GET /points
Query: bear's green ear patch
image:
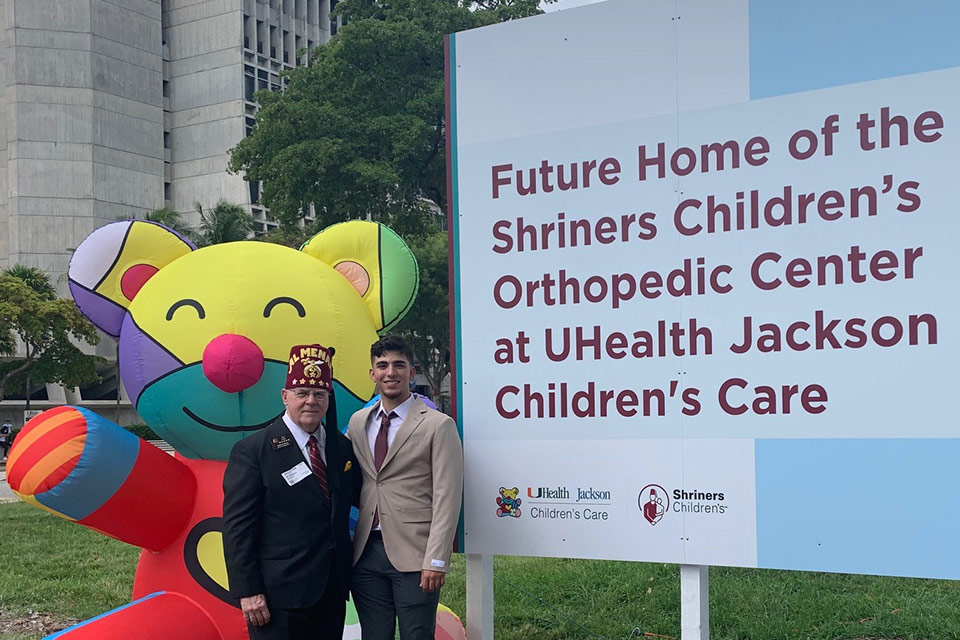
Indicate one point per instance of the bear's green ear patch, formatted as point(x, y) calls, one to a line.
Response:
point(376, 261)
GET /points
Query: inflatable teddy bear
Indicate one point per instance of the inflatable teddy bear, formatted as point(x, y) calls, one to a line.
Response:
point(508, 504)
point(203, 338)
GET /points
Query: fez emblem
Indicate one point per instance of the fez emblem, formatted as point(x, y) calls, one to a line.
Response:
point(312, 370)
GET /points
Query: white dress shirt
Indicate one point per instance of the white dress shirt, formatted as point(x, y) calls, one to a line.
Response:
point(373, 427)
point(373, 424)
point(302, 437)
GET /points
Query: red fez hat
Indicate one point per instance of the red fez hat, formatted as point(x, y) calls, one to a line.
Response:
point(310, 366)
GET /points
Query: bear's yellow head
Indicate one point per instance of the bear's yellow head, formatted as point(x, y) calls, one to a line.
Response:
point(509, 494)
point(204, 335)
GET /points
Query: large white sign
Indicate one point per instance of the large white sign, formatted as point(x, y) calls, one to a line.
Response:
point(707, 299)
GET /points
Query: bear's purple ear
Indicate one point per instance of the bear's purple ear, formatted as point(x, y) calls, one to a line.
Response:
point(112, 264)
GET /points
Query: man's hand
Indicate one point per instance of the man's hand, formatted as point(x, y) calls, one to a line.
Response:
point(431, 581)
point(255, 610)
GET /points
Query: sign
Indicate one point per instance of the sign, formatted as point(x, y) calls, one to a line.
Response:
point(706, 284)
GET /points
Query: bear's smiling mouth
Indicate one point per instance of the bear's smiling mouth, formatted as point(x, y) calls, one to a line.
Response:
point(217, 427)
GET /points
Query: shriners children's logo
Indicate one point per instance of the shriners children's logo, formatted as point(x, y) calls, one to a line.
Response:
point(653, 502)
point(508, 504)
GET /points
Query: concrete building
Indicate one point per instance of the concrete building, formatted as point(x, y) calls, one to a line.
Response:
point(217, 54)
point(114, 108)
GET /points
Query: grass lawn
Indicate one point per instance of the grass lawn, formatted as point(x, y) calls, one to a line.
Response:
point(51, 566)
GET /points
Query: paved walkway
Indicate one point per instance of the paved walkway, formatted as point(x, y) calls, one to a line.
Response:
point(6, 495)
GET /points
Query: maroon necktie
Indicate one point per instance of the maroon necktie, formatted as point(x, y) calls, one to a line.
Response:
point(380, 446)
point(380, 450)
point(319, 468)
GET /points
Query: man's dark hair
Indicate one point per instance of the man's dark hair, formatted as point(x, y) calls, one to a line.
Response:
point(391, 343)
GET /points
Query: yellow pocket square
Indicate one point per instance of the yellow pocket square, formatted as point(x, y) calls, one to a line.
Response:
point(348, 466)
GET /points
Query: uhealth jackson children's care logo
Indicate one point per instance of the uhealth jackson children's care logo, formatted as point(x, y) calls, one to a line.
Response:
point(508, 504)
point(653, 502)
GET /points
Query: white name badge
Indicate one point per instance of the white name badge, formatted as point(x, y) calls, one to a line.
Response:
point(296, 474)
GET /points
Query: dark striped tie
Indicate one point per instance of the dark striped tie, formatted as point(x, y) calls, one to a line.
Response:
point(319, 468)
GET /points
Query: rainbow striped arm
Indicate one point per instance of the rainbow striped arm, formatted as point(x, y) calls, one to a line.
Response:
point(84, 468)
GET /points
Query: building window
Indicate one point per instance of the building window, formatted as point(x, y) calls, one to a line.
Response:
point(254, 192)
point(166, 88)
point(166, 191)
point(166, 139)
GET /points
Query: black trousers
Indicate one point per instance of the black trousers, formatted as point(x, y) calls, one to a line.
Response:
point(321, 621)
point(383, 596)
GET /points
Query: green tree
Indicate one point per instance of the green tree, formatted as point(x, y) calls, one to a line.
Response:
point(33, 278)
point(426, 326)
point(225, 222)
point(46, 326)
point(171, 219)
point(289, 236)
point(360, 131)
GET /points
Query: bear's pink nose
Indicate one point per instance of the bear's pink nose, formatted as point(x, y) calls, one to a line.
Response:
point(232, 363)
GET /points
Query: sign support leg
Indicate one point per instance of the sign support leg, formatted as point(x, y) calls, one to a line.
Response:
point(694, 602)
point(479, 596)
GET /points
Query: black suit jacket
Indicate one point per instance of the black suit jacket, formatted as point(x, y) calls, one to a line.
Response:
point(278, 539)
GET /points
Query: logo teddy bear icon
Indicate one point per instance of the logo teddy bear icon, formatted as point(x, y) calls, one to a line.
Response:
point(203, 338)
point(508, 504)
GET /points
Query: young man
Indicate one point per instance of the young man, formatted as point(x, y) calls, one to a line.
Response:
point(287, 494)
point(412, 466)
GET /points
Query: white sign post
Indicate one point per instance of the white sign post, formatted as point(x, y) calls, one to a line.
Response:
point(479, 596)
point(694, 602)
point(705, 287)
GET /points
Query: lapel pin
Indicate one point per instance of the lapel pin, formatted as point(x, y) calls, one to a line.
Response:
point(280, 443)
point(347, 466)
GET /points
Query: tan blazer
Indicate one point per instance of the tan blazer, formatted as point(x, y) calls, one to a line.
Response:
point(418, 489)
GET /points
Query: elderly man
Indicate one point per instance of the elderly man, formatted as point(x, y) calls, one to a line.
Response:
point(412, 465)
point(287, 491)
